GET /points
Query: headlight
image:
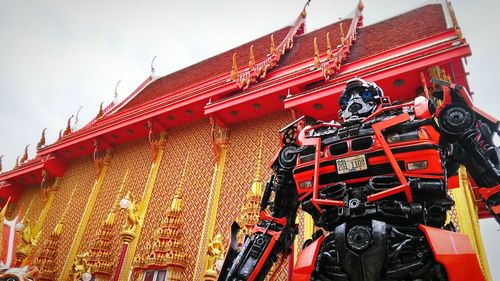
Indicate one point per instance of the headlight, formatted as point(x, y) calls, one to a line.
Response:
point(401, 137)
point(419, 165)
point(305, 184)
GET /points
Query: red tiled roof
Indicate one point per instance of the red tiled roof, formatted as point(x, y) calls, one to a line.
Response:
point(403, 29)
point(206, 69)
point(373, 39)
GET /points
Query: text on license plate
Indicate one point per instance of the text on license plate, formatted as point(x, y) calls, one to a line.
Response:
point(351, 164)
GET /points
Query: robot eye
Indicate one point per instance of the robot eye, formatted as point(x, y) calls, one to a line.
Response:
point(366, 95)
point(344, 100)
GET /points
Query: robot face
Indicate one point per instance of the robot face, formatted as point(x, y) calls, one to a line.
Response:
point(360, 99)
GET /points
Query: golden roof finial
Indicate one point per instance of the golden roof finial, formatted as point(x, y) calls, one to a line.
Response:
point(361, 6)
point(251, 60)
point(1, 156)
point(60, 224)
point(176, 203)
point(272, 49)
point(454, 21)
point(17, 162)
point(316, 53)
point(257, 179)
point(67, 131)
point(41, 142)
point(304, 12)
point(234, 68)
point(342, 39)
point(101, 111)
point(329, 52)
point(25, 155)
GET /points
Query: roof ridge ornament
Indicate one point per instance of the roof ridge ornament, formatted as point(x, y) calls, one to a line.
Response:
point(153, 70)
point(41, 142)
point(25, 155)
point(333, 61)
point(257, 70)
point(454, 21)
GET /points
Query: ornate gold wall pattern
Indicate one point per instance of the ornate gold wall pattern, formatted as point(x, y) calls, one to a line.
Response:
point(135, 158)
point(196, 139)
point(240, 166)
point(80, 177)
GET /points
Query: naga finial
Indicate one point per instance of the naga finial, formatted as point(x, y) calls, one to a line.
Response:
point(329, 52)
point(25, 155)
point(272, 49)
point(1, 156)
point(60, 135)
point(251, 60)
point(41, 142)
point(17, 162)
point(152, 66)
point(317, 62)
point(234, 69)
point(342, 39)
point(361, 6)
point(116, 88)
point(67, 131)
point(101, 111)
point(304, 12)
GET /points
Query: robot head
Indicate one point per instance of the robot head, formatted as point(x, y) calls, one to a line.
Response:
point(360, 98)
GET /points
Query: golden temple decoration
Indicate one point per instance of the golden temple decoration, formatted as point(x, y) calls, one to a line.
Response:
point(142, 207)
point(25, 155)
point(100, 258)
point(329, 51)
point(26, 237)
point(272, 49)
point(100, 113)
point(47, 253)
point(234, 69)
point(101, 156)
point(342, 38)
point(166, 248)
point(249, 214)
point(215, 253)
point(454, 21)
point(155, 141)
point(82, 226)
point(41, 142)
point(68, 131)
point(438, 72)
point(220, 142)
point(317, 61)
point(251, 60)
point(2, 217)
point(80, 266)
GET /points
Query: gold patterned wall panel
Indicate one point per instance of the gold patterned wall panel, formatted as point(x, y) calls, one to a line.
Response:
point(135, 157)
point(241, 158)
point(80, 177)
point(31, 194)
point(193, 138)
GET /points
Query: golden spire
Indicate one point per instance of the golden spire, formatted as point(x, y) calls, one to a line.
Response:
point(25, 156)
point(272, 49)
point(110, 219)
point(342, 39)
point(41, 142)
point(58, 229)
point(317, 62)
point(234, 68)
point(257, 179)
point(251, 60)
point(176, 203)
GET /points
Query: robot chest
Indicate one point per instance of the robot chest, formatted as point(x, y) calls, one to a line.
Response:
point(359, 160)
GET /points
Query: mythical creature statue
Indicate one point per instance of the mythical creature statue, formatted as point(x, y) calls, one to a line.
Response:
point(376, 185)
point(215, 252)
point(132, 214)
point(80, 266)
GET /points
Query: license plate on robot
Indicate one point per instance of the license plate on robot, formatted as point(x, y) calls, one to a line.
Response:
point(351, 164)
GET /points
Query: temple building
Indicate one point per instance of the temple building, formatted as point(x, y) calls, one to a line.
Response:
point(149, 188)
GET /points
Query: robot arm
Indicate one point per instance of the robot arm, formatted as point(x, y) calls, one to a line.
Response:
point(275, 232)
point(469, 132)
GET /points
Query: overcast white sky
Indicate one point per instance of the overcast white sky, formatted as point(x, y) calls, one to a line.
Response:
point(56, 56)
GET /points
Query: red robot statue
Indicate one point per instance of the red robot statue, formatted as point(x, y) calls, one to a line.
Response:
point(376, 187)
